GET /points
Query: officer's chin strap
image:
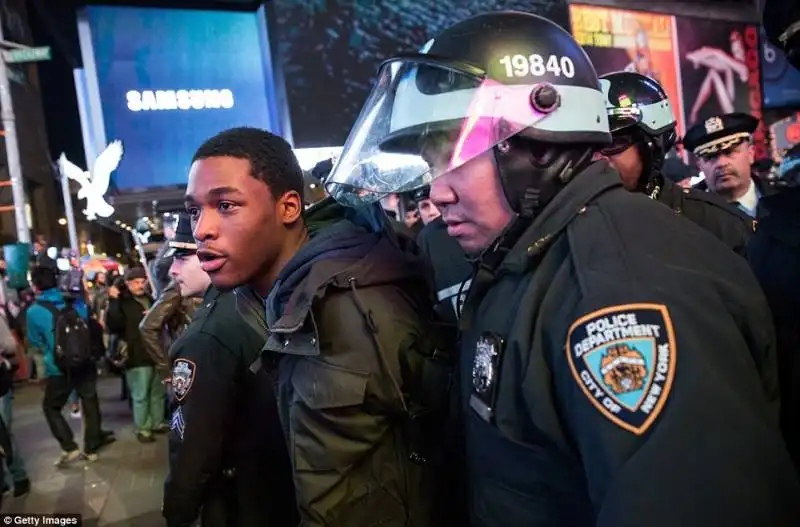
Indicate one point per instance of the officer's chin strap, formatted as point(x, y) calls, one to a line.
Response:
point(528, 188)
point(652, 151)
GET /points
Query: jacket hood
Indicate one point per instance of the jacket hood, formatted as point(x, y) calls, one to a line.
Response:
point(53, 296)
point(347, 247)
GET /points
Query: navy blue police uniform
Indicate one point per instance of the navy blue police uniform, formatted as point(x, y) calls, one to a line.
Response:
point(614, 383)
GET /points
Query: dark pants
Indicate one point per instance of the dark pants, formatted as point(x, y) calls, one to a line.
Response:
point(56, 394)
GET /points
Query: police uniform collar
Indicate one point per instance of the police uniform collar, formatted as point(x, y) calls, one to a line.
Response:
point(719, 133)
point(572, 200)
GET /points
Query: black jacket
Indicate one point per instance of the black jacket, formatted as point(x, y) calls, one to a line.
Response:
point(616, 378)
point(774, 255)
point(227, 452)
point(350, 346)
point(123, 317)
point(730, 225)
point(452, 272)
point(164, 323)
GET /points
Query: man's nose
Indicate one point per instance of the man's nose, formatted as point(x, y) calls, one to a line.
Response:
point(205, 225)
point(442, 193)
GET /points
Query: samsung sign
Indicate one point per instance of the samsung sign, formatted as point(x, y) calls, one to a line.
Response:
point(169, 79)
point(149, 100)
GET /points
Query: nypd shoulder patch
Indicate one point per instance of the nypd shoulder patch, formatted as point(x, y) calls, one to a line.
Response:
point(183, 373)
point(623, 358)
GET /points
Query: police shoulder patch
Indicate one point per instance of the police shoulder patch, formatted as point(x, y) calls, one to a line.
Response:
point(183, 373)
point(623, 358)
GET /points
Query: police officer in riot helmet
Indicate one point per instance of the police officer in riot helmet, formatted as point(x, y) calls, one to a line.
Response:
point(608, 376)
point(642, 125)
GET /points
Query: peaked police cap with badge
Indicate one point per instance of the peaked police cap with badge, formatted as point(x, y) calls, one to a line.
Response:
point(183, 243)
point(719, 133)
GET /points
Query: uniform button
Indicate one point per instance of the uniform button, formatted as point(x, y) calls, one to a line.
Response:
point(285, 343)
point(583, 209)
point(313, 341)
point(678, 211)
point(686, 191)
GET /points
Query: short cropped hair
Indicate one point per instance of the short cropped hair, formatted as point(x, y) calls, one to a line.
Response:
point(43, 278)
point(271, 157)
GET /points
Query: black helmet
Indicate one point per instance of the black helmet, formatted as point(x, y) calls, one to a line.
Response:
point(781, 21)
point(639, 113)
point(471, 90)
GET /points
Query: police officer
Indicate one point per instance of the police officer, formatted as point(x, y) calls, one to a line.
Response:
point(228, 458)
point(774, 251)
point(615, 359)
point(452, 270)
point(643, 131)
point(724, 153)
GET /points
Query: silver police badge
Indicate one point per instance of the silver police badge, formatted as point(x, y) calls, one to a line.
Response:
point(183, 372)
point(483, 365)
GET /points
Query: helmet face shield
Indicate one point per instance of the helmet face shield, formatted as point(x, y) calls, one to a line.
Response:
point(424, 119)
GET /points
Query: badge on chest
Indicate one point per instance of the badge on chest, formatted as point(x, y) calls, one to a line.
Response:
point(486, 363)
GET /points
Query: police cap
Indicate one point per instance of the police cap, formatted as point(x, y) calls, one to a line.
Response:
point(422, 193)
point(719, 133)
point(183, 243)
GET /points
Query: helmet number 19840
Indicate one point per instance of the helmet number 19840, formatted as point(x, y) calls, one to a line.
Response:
point(536, 65)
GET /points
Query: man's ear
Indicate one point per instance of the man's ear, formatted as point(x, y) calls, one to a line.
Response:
point(751, 153)
point(290, 207)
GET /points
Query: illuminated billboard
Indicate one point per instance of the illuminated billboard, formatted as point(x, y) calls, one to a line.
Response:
point(165, 80)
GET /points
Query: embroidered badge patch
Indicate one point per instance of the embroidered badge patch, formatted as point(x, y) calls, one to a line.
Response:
point(714, 124)
point(623, 358)
point(183, 372)
point(177, 424)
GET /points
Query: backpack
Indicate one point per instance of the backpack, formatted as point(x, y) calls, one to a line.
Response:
point(72, 338)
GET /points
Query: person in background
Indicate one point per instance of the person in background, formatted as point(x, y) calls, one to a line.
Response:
point(159, 270)
point(40, 256)
point(427, 210)
point(643, 130)
point(99, 298)
point(228, 459)
point(724, 152)
point(41, 318)
point(678, 172)
point(125, 312)
point(452, 270)
point(16, 475)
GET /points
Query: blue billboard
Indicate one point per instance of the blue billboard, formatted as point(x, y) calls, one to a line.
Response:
point(167, 80)
point(781, 80)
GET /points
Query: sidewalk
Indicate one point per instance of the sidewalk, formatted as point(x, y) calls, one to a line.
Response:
point(123, 488)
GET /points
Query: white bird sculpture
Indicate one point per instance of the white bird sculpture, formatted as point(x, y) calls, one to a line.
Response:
point(95, 185)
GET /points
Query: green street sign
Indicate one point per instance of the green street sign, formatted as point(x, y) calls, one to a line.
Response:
point(27, 55)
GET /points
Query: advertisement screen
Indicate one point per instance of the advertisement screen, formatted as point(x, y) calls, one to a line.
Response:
point(720, 71)
point(620, 40)
point(781, 80)
point(785, 134)
point(169, 80)
point(329, 52)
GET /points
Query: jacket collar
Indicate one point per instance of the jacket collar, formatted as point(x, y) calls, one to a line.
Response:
point(587, 185)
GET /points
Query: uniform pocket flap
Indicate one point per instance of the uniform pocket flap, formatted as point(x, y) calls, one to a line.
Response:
point(322, 385)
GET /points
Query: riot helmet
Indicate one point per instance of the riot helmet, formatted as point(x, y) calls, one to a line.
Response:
point(640, 115)
point(497, 83)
